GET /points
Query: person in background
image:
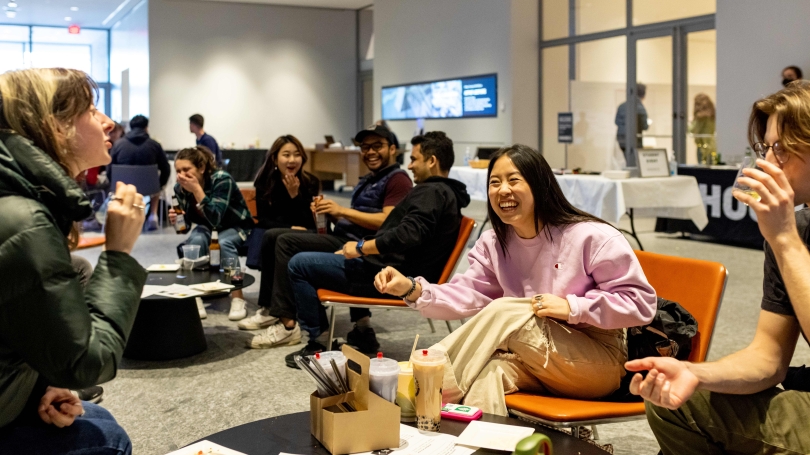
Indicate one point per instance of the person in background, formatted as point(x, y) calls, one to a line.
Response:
point(195, 125)
point(136, 148)
point(702, 128)
point(735, 404)
point(418, 235)
point(790, 74)
point(641, 125)
point(373, 199)
point(56, 335)
point(212, 200)
point(550, 290)
point(284, 193)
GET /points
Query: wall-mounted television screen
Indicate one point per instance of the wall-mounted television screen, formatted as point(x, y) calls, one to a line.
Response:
point(474, 96)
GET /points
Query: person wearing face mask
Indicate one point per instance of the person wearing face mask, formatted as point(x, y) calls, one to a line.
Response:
point(420, 234)
point(212, 200)
point(373, 199)
point(790, 74)
point(550, 290)
point(752, 401)
point(55, 333)
point(284, 192)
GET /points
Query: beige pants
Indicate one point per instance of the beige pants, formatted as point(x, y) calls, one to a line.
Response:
point(542, 356)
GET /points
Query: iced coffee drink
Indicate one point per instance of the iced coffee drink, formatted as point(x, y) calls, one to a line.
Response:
point(428, 374)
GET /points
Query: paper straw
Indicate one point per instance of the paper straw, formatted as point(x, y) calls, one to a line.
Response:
point(416, 340)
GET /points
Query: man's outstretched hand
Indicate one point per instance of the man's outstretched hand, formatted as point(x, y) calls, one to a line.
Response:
point(669, 382)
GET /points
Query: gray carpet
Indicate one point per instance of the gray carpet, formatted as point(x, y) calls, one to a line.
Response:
point(166, 405)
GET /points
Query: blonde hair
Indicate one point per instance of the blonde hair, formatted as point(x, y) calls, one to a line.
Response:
point(792, 108)
point(41, 105)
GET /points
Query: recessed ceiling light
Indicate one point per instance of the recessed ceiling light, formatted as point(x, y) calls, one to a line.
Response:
point(68, 18)
point(12, 5)
point(11, 14)
point(74, 8)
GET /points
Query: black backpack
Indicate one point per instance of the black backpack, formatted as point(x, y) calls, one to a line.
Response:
point(668, 335)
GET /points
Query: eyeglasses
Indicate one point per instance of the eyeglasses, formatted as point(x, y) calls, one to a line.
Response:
point(779, 152)
point(377, 146)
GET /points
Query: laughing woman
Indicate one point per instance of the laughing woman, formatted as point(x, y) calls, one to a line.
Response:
point(551, 289)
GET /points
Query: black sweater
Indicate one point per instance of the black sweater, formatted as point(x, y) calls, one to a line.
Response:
point(418, 236)
point(280, 210)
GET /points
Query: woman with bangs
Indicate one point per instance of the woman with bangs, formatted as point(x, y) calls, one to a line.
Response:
point(55, 334)
point(550, 290)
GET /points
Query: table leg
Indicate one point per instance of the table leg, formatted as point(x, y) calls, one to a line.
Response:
point(632, 231)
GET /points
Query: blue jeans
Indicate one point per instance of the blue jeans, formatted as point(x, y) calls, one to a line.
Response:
point(229, 241)
point(94, 433)
point(312, 271)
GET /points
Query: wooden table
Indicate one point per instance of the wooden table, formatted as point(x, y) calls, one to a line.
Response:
point(327, 164)
point(291, 434)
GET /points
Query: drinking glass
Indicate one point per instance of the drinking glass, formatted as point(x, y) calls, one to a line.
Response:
point(229, 267)
point(191, 252)
point(749, 162)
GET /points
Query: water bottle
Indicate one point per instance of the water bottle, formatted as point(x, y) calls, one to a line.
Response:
point(673, 165)
point(467, 156)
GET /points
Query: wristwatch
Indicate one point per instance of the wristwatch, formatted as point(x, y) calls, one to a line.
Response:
point(360, 247)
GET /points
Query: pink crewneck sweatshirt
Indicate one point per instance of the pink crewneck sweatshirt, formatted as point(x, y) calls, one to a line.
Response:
point(590, 264)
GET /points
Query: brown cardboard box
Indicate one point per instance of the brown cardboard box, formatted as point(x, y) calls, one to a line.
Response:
point(374, 426)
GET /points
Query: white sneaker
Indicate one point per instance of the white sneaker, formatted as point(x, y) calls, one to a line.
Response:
point(238, 310)
point(201, 308)
point(276, 335)
point(258, 321)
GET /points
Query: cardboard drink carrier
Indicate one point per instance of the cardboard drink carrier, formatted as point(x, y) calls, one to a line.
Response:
point(375, 424)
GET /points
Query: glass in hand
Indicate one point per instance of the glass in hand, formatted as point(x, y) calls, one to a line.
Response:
point(749, 162)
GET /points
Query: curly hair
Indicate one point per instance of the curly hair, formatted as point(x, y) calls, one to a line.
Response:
point(201, 157)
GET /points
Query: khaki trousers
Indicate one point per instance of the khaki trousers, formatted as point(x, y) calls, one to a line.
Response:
point(773, 421)
point(541, 355)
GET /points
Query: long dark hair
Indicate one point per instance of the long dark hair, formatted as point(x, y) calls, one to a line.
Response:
point(551, 208)
point(269, 175)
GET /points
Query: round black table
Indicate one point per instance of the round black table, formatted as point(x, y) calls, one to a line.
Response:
point(291, 434)
point(167, 328)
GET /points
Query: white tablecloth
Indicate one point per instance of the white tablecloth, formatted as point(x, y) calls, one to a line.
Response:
point(670, 197)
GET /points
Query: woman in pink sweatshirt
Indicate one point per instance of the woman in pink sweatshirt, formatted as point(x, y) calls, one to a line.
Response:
point(575, 273)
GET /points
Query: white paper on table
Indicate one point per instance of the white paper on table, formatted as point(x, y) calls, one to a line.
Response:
point(163, 268)
point(207, 448)
point(151, 289)
point(493, 435)
point(178, 291)
point(415, 442)
point(213, 286)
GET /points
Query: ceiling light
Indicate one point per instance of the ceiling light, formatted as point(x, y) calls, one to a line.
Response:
point(74, 8)
point(11, 14)
point(68, 18)
point(12, 5)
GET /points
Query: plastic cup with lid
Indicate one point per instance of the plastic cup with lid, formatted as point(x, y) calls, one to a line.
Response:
point(323, 358)
point(383, 376)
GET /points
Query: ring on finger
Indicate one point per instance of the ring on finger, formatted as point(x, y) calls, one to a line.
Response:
point(138, 206)
point(116, 198)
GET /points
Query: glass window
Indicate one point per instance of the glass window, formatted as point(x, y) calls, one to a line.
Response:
point(654, 70)
point(12, 56)
point(555, 19)
point(555, 100)
point(596, 94)
point(651, 11)
point(87, 51)
point(594, 16)
point(701, 83)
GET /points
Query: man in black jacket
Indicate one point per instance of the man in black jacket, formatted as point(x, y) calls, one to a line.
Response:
point(138, 149)
point(418, 236)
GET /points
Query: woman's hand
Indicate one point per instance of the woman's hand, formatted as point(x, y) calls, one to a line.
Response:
point(124, 219)
point(390, 281)
point(551, 306)
point(292, 184)
point(59, 407)
point(172, 216)
point(192, 185)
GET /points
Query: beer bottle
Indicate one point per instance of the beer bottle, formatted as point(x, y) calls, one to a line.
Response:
point(213, 250)
point(180, 225)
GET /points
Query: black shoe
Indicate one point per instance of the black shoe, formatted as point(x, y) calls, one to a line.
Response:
point(310, 349)
point(363, 339)
point(92, 394)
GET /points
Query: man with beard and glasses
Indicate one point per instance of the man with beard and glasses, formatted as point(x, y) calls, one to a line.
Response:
point(373, 199)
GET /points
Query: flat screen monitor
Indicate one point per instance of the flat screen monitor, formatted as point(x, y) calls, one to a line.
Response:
point(474, 96)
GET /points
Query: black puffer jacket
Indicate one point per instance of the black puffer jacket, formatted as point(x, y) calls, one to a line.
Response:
point(51, 331)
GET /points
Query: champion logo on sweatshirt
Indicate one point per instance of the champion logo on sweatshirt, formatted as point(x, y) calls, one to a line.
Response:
point(558, 265)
